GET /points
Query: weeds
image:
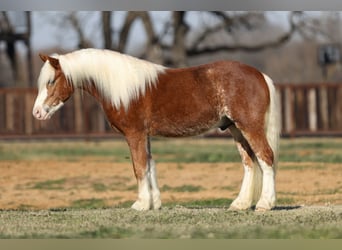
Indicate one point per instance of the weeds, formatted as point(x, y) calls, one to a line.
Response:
point(184, 188)
point(50, 184)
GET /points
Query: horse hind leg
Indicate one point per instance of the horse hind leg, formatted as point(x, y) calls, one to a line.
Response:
point(268, 194)
point(252, 180)
point(264, 155)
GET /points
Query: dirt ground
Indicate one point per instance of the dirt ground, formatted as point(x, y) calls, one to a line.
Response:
point(55, 184)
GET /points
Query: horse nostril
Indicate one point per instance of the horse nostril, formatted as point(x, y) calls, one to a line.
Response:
point(36, 113)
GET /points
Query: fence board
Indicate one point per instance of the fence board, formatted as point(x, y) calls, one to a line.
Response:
point(323, 107)
point(312, 108)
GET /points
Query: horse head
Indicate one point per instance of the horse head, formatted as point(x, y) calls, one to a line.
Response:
point(54, 89)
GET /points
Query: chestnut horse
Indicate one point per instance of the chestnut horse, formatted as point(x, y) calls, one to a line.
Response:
point(142, 99)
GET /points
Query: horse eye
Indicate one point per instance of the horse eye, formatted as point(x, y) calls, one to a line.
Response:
point(51, 82)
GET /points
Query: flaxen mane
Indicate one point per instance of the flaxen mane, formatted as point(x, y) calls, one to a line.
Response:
point(120, 78)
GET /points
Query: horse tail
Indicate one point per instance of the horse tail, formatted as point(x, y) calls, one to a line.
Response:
point(273, 121)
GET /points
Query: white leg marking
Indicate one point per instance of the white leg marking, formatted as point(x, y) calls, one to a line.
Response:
point(247, 191)
point(252, 180)
point(268, 193)
point(156, 202)
point(149, 194)
point(144, 196)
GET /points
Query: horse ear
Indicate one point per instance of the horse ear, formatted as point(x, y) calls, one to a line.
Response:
point(43, 57)
point(54, 62)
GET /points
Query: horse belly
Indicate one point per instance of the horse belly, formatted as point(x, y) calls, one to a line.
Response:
point(183, 123)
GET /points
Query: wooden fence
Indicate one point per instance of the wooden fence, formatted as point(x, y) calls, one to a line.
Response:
point(311, 109)
point(306, 109)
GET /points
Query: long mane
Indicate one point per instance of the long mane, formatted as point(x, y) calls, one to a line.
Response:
point(119, 78)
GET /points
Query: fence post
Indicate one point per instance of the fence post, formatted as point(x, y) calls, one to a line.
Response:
point(10, 112)
point(338, 109)
point(323, 107)
point(312, 109)
point(289, 110)
point(29, 101)
point(280, 107)
point(101, 122)
point(79, 126)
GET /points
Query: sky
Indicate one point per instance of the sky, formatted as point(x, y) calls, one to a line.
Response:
point(48, 32)
point(45, 34)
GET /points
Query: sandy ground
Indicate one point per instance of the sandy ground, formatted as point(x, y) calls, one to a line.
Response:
point(55, 184)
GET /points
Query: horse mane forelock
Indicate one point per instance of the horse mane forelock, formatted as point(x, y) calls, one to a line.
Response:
point(119, 78)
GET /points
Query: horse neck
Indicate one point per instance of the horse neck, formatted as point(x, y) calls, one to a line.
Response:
point(91, 89)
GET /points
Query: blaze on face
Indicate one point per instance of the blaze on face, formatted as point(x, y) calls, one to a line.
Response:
point(54, 89)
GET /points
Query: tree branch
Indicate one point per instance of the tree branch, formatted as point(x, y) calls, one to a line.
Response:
point(193, 51)
point(123, 34)
point(83, 42)
point(5, 24)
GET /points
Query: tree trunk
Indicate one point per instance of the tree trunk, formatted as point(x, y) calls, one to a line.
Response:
point(179, 46)
point(153, 48)
point(106, 29)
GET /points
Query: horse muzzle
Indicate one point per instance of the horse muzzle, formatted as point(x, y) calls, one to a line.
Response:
point(45, 112)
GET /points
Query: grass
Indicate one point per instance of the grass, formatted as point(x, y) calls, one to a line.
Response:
point(175, 222)
point(212, 203)
point(68, 150)
point(311, 150)
point(181, 189)
point(99, 187)
point(89, 203)
point(170, 150)
point(50, 184)
point(92, 218)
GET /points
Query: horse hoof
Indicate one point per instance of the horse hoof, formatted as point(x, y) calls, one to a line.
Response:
point(264, 205)
point(238, 208)
point(233, 208)
point(157, 205)
point(239, 205)
point(262, 209)
point(141, 206)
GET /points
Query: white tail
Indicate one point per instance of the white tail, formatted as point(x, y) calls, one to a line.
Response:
point(273, 120)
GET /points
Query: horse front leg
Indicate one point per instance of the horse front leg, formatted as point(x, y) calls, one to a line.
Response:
point(145, 173)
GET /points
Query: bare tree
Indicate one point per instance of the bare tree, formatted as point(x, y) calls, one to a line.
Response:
point(229, 25)
point(182, 48)
point(107, 29)
point(180, 40)
point(83, 42)
point(11, 35)
point(7, 30)
point(153, 50)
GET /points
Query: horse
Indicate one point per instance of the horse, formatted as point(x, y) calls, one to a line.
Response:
point(141, 100)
